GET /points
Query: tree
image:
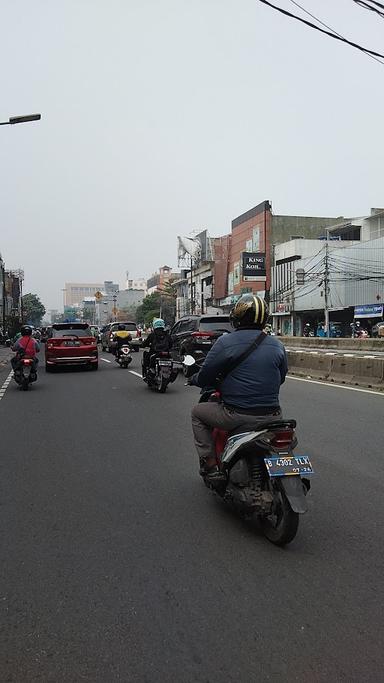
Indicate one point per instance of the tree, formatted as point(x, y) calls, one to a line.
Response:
point(160, 304)
point(149, 309)
point(33, 309)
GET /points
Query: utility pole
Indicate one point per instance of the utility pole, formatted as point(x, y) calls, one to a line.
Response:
point(326, 288)
point(192, 299)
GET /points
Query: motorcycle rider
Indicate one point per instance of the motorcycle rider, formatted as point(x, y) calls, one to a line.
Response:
point(26, 347)
point(121, 337)
point(250, 392)
point(158, 340)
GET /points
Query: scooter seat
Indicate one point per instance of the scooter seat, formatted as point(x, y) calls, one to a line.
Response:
point(267, 424)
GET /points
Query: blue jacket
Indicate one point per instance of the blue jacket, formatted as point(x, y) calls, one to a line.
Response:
point(256, 381)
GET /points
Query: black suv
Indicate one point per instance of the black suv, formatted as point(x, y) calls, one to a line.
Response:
point(196, 334)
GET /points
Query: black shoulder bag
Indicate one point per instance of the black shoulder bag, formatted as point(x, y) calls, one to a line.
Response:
point(224, 373)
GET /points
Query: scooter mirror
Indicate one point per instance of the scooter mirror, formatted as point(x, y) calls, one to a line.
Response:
point(189, 361)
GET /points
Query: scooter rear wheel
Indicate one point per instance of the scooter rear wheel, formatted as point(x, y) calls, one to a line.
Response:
point(281, 526)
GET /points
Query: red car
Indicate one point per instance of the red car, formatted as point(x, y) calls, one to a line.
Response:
point(71, 344)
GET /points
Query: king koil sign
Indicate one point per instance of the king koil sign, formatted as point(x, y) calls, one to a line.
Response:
point(253, 264)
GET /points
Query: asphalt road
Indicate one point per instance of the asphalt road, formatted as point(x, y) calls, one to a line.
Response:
point(117, 564)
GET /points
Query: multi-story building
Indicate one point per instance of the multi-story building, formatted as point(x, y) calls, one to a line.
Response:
point(139, 283)
point(76, 292)
point(157, 281)
point(225, 267)
point(343, 277)
point(251, 243)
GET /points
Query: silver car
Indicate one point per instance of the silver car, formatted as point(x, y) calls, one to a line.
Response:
point(107, 335)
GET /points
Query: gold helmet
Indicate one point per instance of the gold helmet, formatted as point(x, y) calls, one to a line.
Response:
point(250, 310)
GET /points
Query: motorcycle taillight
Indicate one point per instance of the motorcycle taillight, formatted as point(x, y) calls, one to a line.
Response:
point(27, 361)
point(282, 438)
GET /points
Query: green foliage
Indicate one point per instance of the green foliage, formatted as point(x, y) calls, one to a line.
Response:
point(160, 304)
point(33, 309)
point(149, 309)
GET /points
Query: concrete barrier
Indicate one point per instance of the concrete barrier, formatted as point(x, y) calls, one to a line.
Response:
point(342, 343)
point(342, 370)
point(317, 366)
point(366, 372)
point(369, 372)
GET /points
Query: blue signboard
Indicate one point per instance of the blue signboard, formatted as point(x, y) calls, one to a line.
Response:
point(369, 311)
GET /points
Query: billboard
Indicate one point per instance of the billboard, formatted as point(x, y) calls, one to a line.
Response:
point(253, 264)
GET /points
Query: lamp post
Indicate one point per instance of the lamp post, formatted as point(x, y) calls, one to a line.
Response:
point(20, 119)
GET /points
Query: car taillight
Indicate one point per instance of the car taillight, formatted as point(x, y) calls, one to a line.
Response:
point(282, 438)
point(111, 337)
point(139, 333)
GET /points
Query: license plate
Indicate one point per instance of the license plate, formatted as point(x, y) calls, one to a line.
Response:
point(71, 343)
point(288, 465)
point(165, 363)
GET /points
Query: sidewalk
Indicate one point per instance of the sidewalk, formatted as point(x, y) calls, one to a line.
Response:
point(5, 355)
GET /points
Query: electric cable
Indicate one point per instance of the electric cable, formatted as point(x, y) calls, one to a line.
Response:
point(322, 30)
point(365, 5)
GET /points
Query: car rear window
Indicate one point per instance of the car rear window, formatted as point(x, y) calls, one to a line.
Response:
point(215, 325)
point(72, 332)
point(130, 327)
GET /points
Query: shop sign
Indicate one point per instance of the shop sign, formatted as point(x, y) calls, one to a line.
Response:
point(253, 264)
point(369, 311)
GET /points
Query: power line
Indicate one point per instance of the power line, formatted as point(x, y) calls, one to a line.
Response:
point(365, 5)
point(330, 27)
point(317, 28)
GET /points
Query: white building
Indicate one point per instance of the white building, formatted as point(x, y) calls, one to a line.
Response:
point(352, 271)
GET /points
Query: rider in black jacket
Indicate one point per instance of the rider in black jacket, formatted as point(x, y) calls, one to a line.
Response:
point(157, 341)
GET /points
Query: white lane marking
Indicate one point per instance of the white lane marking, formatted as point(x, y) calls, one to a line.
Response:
point(6, 385)
point(135, 373)
point(370, 356)
point(313, 352)
point(337, 386)
point(348, 355)
point(105, 360)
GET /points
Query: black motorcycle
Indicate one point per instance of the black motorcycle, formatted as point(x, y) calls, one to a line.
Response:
point(260, 475)
point(161, 371)
point(24, 373)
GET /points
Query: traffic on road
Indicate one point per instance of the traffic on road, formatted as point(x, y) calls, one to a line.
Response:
point(119, 564)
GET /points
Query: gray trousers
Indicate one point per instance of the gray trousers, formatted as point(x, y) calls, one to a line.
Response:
point(207, 416)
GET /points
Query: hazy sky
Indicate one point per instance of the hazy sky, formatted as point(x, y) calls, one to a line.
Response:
point(163, 116)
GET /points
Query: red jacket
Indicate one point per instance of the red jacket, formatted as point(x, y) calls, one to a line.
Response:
point(29, 345)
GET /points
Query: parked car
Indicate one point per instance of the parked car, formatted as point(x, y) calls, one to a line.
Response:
point(195, 335)
point(378, 330)
point(71, 344)
point(107, 342)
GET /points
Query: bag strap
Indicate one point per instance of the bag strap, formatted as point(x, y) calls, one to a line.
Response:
point(235, 363)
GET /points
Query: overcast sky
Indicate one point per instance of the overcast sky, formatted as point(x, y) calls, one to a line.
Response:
point(163, 116)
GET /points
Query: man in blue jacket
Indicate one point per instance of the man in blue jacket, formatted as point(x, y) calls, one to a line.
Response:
point(250, 392)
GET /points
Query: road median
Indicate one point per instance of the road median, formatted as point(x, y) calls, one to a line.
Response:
point(364, 372)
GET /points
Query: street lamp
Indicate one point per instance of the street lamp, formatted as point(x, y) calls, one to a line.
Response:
point(20, 119)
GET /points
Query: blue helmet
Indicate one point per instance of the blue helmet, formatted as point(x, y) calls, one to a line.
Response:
point(158, 324)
